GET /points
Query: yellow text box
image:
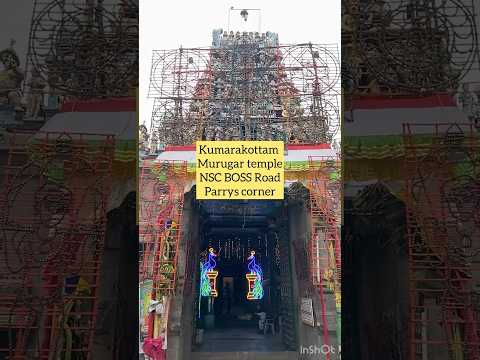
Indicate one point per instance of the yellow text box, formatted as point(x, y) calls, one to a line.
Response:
point(240, 170)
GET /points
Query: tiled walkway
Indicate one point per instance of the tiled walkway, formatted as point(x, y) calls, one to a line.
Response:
point(239, 355)
point(238, 339)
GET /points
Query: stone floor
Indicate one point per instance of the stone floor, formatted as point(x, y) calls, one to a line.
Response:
point(239, 355)
point(240, 340)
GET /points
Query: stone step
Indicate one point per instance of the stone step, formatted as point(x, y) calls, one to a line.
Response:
point(241, 355)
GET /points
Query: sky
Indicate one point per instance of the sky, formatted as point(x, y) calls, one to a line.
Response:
point(171, 24)
point(16, 24)
point(174, 23)
point(189, 23)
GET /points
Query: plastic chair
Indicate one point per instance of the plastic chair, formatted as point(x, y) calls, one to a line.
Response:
point(269, 323)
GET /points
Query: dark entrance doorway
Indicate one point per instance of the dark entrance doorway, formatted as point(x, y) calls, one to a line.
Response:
point(230, 322)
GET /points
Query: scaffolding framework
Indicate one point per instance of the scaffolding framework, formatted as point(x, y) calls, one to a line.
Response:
point(245, 87)
point(160, 226)
point(84, 48)
point(443, 194)
point(403, 46)
point(325, 250)
point(53, 210)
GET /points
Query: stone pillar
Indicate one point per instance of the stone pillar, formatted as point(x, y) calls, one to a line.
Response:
point(310, 338)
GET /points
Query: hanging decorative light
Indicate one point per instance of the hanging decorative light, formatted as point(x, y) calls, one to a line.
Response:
point(254, 278)
point(208, 276)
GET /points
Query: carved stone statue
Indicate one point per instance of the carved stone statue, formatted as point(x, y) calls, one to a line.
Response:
point(154, 143)
point(11, 77)
point(143, 138)
point(35, 98)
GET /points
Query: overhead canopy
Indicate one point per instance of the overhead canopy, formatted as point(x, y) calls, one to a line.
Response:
point(92, 118)
point(373, 133)
point(374, 129)
point(115, 117)
point(122, 125)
